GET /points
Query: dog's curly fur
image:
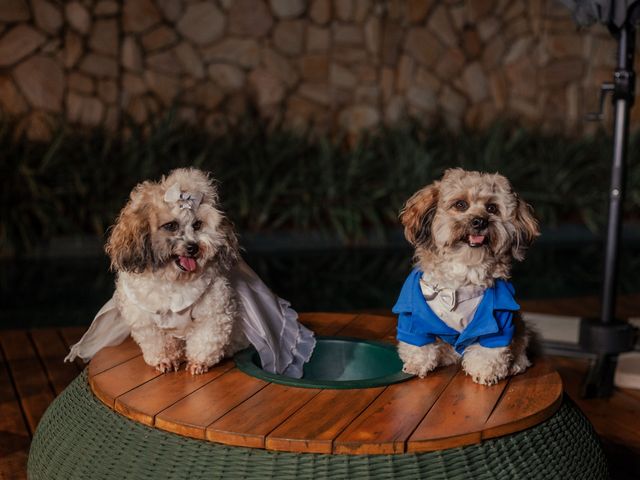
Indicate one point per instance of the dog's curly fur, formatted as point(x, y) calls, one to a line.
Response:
point(149, 245)
point(437, 221)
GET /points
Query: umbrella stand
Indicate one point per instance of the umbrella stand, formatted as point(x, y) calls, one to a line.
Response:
point(608, 336)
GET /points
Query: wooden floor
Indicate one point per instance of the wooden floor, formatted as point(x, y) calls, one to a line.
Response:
point(32, 374)
point(627, 306)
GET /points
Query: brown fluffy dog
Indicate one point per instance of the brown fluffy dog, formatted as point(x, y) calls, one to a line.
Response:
point(172, 249)
point(467, 229)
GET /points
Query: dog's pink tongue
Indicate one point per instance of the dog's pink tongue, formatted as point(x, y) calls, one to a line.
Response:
point(188, 263)
point(476, 239)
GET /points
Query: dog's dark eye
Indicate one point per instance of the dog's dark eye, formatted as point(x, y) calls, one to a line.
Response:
point(197, 225)
point(461, 205)
point(492, 208)
point(170, 226)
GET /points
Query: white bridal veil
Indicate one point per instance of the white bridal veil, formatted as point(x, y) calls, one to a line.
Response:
point(268, 322)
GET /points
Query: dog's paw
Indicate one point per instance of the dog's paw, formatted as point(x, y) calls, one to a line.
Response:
point(421, 370)
point(487, 380)
point(166, 366)
point(486, 366)
point(196, 368)
point(484, 375)
point(519, 365)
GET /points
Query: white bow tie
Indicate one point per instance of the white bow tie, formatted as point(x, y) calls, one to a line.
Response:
point(448, 298)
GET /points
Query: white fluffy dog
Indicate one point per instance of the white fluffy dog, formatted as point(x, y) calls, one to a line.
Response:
point(172, 249)
point(457, 302)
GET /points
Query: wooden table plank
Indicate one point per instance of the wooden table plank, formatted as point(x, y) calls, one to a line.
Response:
point(31, 381)
point(110, 384)
point(249, 423)
point(391, 335)
point(52, 350)
point(387, 423)
point(14, 433)
point(109, 357)
point(458, 416)
point(313, 428)
point(326, 324)
point(370, 327)
point(528, 400)
point(143, 403)
point(193, 414)
point(444, 410)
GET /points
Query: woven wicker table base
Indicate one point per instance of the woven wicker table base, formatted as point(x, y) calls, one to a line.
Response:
point(80, 438)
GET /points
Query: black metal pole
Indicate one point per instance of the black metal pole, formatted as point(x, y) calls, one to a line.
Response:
point(622, 104)
point(608, 336)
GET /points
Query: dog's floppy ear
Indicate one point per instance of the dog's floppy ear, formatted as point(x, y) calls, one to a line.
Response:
point(229, 252)
point(129, 243)
point(417, 214)
point(526, 227)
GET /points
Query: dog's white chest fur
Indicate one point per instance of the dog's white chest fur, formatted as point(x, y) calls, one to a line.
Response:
point(175, 322)
point(455, 308)
point(168, 304)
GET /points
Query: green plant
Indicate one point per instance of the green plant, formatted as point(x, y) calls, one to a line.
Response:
point(274, 179)
point(28, 204)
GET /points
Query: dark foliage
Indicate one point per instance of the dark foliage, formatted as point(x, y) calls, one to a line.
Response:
point(271, 178)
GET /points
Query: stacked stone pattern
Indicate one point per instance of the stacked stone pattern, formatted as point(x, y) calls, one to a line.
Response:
point(333, 65)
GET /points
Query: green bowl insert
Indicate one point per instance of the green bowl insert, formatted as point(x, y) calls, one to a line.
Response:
point(337, 362)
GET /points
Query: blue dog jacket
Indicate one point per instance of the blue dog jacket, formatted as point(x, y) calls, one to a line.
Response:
point(491, 326)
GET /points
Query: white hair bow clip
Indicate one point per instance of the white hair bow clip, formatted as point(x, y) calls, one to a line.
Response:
point(188, 200)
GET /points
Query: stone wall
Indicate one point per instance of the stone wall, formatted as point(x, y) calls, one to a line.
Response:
point(349, 64)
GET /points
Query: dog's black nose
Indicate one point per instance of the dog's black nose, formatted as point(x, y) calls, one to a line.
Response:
point(192, 248)
point(479, 223)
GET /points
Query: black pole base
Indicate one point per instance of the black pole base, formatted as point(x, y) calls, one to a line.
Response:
point(606, 340)
point(611, 338)
point(599, 380)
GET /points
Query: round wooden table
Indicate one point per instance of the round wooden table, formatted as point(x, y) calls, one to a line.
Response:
point(226, 406)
